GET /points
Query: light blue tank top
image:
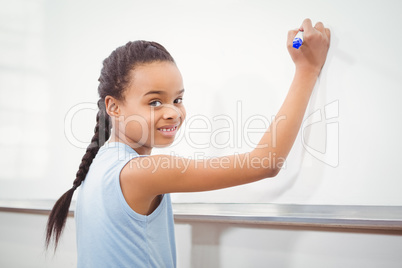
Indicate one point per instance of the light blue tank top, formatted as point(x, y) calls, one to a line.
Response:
point(109, 232)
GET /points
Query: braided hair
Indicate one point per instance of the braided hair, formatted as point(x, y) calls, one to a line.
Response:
point(113, 80)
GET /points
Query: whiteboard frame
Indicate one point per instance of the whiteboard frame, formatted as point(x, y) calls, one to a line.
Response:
point(312, 216)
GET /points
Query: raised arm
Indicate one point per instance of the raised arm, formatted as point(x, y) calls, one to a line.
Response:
point(158, 174)
point(309, 59)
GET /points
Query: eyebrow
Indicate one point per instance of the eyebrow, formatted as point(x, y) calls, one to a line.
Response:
point(162, 92)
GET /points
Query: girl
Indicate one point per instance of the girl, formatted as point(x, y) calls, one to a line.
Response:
point(124, 215)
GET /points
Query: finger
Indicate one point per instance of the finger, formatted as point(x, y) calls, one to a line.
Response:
point(319, 26)
point(307, 26)
point(291, 36)
point(292, 33)
point(328, 33)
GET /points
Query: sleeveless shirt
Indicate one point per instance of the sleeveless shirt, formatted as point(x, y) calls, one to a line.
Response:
point(109, 232)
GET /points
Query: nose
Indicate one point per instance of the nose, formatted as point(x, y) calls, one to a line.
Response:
point(171, 112)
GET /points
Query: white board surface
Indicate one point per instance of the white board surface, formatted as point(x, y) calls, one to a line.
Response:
point(235, 65)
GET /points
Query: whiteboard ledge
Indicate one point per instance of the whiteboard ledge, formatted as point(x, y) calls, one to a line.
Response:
point(330, 216)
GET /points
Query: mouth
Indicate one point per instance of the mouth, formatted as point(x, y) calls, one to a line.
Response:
point(169, 130)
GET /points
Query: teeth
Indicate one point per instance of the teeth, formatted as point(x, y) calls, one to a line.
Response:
point(168, 129)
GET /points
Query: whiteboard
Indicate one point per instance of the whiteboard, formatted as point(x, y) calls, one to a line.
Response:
point(237, 71)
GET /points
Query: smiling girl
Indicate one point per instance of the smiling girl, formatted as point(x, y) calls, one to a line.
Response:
point(124, 214)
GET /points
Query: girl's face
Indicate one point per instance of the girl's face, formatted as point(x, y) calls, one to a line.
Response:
point(152, 110)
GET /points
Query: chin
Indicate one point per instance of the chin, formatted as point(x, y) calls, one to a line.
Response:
point(163, 145)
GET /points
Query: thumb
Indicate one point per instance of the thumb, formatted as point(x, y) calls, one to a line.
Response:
point(291, 36)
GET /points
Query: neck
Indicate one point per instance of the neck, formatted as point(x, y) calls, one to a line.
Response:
point(140, 149)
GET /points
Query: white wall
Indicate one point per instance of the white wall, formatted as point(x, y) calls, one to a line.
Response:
point(22, 242)
point(234, 62)
point(217, 245)
point(238, 245)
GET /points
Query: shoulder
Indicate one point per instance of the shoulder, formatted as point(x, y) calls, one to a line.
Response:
point(149, 174)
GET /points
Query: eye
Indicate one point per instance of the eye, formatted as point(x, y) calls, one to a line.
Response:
point(155, 103)
point(179, 100)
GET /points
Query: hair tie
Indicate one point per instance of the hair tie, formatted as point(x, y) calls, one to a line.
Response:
point(74, 187)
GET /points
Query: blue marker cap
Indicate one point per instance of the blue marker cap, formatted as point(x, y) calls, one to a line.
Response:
point(298, 41)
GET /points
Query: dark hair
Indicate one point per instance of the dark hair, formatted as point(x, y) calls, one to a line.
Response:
point(113, 80)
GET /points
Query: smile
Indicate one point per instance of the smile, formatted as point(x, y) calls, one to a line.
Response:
point(168, 130)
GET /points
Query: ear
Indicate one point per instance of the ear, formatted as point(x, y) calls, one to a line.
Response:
point(112, 106)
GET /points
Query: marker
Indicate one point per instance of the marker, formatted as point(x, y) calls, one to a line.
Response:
point(298, 41)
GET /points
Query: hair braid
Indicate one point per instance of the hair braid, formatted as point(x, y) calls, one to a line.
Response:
point(58, 216)
point(114, 78)
point(102, 126)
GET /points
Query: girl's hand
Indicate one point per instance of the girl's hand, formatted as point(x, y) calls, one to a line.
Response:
point(310, 57)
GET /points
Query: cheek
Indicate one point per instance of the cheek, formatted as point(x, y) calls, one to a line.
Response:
point(136, 126)
point(183, 113)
